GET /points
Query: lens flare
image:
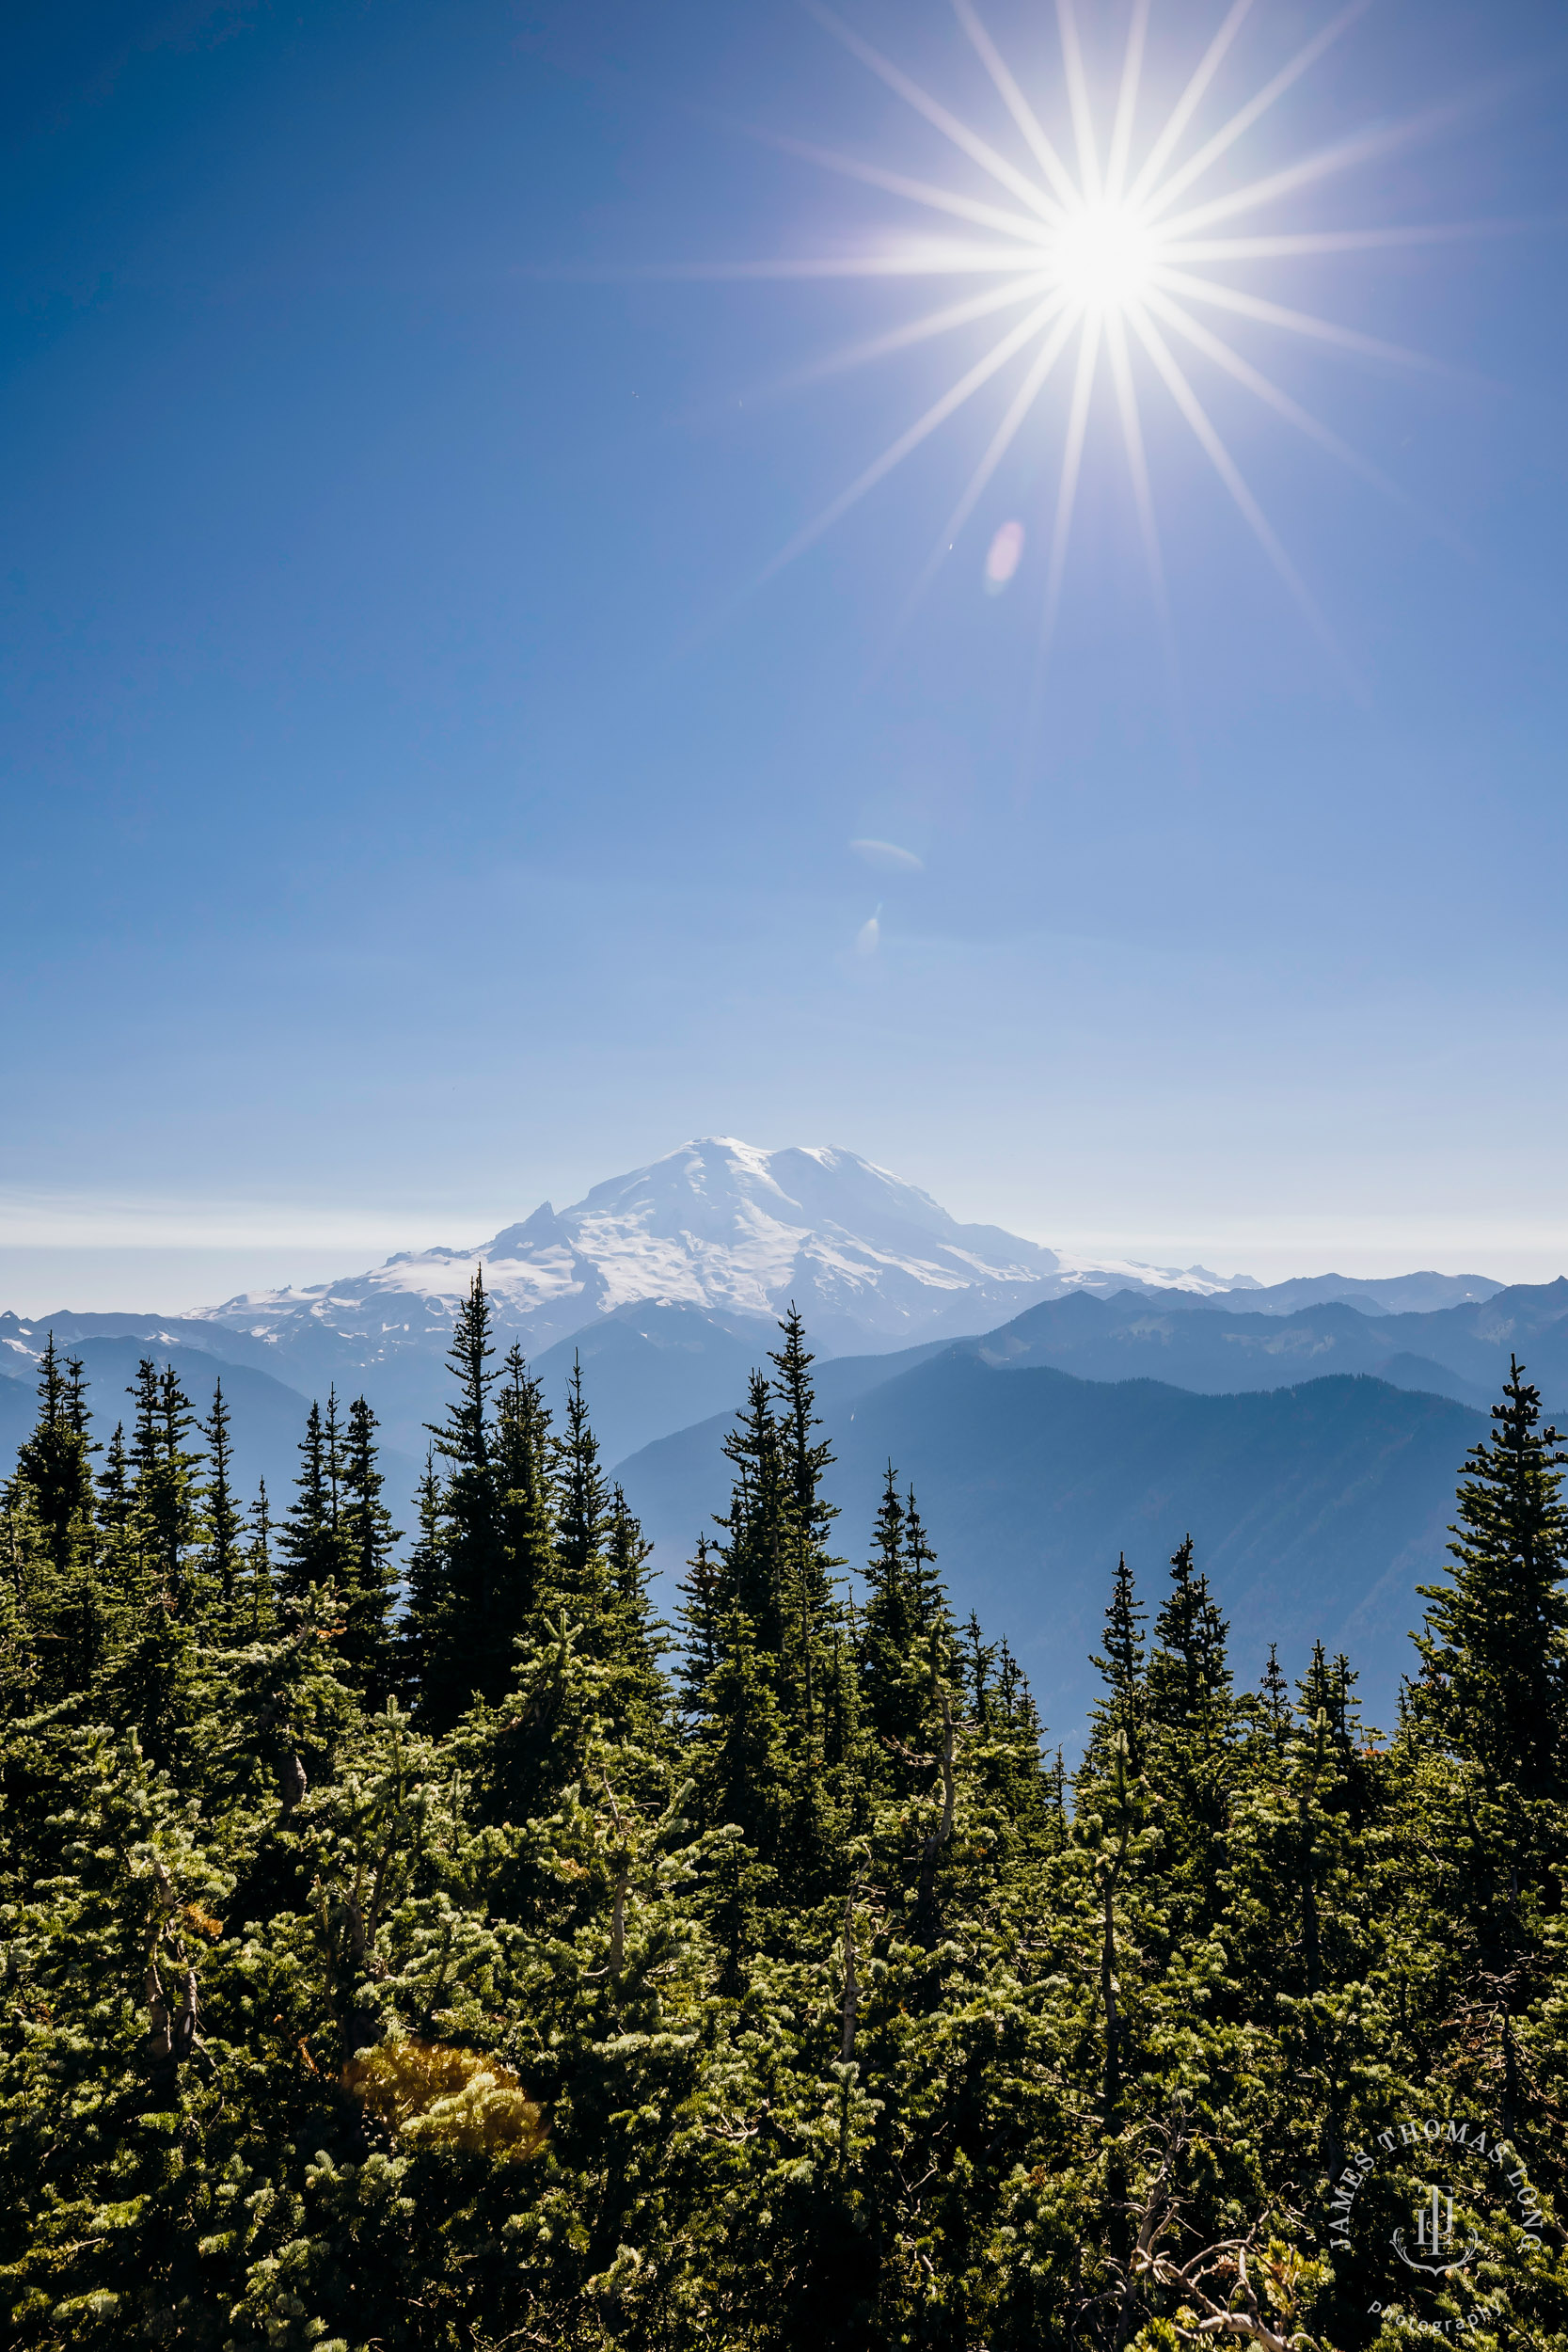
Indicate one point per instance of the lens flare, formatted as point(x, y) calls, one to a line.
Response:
point(1104, 248)
point(1002, 557)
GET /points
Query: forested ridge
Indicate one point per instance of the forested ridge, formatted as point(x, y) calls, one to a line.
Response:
point(452, 1955)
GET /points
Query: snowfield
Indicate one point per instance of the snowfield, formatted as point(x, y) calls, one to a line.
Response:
point(728, 1229)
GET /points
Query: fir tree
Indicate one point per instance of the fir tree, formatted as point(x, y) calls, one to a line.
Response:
point(758, 1526)
point(1122, 1669)
point(1275, 1701)
point(1492, 1646)
point(570, 2024)
point(977, 1656)
point(582, 1505)
point(806, 1568)
point(52, 1497)
point(223, 1521)
point(368, 1541)
point(929, 1595)
point(891, 1626)
point(701, 1608)
point(636, 1691)
point(466, 1629)
point(54, 1461)
point(422, 1624)
point(165, 1491)
point(806, 1458)
point(1189, 1748)
point(307, 1538)
point(120, 1547)
point(1189, 1680)
point(741, 1778)
point(258, 1611)
point(523, 1473)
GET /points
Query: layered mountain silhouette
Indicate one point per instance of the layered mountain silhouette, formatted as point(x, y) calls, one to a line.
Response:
point(1051, 1410)
point(670, 1280)
point(1316, 1508)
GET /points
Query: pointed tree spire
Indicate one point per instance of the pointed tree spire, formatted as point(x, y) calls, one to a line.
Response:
point(223, 1522)
point(1493, 1644)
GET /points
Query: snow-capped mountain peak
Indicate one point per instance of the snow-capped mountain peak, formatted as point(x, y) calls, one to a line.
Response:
point(723, 1227)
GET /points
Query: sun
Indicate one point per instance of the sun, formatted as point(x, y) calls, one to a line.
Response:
point(1106, 257)
point(1109, 263)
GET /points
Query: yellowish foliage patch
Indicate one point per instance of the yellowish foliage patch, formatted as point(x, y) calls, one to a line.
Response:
point(436, 2095)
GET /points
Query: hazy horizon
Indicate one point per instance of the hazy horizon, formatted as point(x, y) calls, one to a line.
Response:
point(167, 1273)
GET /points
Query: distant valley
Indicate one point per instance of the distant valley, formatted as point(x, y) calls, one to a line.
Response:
point(1316, 1509)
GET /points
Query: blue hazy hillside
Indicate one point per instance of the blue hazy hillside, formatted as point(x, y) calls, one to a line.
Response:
point(651, 1370)
point(268, 1416)
point(1316, 1508)
point(1460, 1352)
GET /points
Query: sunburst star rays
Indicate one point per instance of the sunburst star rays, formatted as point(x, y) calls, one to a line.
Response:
point(1106, 247)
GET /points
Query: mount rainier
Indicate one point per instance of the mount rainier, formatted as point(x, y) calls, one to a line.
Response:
point(718, 1228)
point(667, 1283)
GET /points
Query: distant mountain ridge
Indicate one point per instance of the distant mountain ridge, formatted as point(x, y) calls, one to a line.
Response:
point(668, 1281)
point(725, 1228)
point(1316, 1508)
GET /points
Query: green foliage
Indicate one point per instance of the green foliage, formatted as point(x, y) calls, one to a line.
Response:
point(1494, 1654)
point(454, 1980)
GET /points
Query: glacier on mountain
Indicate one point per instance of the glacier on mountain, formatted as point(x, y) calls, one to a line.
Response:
point(725, 1228)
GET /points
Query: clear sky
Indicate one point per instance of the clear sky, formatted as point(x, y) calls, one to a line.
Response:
point(418, 801)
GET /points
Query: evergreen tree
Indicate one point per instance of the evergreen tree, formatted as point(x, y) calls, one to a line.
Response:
point(1189, 1680)
point(806, 1458)
point(758, 1526)
point(1493, 1644)
point(570, 2023)
point(891, 1626)
point(308, 1538)
point(469, 1636)
point(929, 1595)
point(76, 1410)
point(1274, 1702)
point(165, 1490)
point(333, 1435)
point(635, 1693)
point(700, 1618)
point(805, 1571)
point(977, 1656)
point(121, 1557)
point(258, 1609)
point(740, 1773)
point(367, 1541)
point(422, 1624)
point(1122, 1669)
point(1190, 1745)
point(582, 1506)
point(224, 1523)
point(523, 1459)
point(54, 1461)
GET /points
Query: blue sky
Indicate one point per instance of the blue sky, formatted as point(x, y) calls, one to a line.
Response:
point(417, 802)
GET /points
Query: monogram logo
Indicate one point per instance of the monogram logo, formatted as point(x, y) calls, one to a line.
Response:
point(1435, 2236)
point(1464, 2182)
